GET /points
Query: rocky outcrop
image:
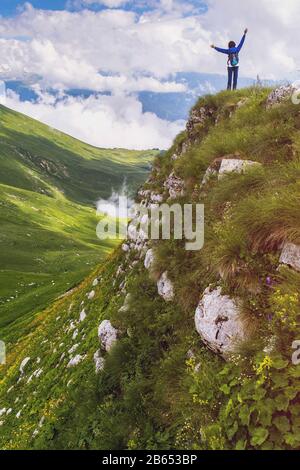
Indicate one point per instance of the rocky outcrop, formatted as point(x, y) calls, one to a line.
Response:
point(107, 335)
point(199, 117)
point(174, 185)
point(137, 235)
point(218, 322)
point(277, 96)
point(229, 165)
point(290, 255)
point(165, 288)
point(156, 198)
point(150, 196)
point(225, 165)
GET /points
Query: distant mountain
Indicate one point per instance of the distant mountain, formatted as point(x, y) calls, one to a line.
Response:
point(169, 106)
point(176, 106)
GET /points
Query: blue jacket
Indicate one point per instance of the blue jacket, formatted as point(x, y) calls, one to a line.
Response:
point(232, 50)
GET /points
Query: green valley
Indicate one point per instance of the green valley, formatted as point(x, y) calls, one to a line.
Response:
point(49, 185)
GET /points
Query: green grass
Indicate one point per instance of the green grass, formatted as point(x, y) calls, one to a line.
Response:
point(49, 184)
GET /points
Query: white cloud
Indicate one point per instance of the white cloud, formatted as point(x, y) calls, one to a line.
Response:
point(103, 121)
point(69, 49)
point(121, 52)
point(107, 3)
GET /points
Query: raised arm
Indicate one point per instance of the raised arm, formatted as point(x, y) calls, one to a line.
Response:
point(242, 41)
point(219, 49)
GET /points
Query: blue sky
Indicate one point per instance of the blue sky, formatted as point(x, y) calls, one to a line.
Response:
point(11, 7)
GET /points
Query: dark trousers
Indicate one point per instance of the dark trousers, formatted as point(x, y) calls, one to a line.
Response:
point(233, 74)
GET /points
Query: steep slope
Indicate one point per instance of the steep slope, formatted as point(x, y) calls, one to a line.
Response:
point(49, 184)
point(171, 348)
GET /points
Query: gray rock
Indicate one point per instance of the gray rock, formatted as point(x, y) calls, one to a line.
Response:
point(290, 255)
point(174, 185)
point(218, 322)
point(107, 335)
point(156, 198)
point(73, 349)
point(149, 259)
point(234, 166)
point(185, 147)
point(198, 117)
point(91, 295)
point(165, 288)
point(23, 364)
point(132, 231)
point(75, 361)
point(82, 316)
point(280, 94)
point(99, 361)
point(144, 193)
point(210, 172)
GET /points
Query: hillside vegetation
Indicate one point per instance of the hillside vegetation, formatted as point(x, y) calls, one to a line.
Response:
point(49, 185)
point(114, 365)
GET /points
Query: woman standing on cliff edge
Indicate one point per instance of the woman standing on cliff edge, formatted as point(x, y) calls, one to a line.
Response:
point(233, 60)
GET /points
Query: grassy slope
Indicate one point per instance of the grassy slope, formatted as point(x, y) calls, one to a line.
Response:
point(150, 394)
point(49, 183)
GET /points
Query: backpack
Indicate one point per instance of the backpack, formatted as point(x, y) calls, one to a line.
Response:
point(233, 59)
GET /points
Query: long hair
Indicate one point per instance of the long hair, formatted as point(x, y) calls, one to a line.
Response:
point(231, 44)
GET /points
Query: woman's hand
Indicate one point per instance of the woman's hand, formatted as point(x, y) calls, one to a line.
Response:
point(246, 30)
point(212, 46)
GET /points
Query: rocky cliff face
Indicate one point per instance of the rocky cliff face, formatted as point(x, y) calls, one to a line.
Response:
point(176, 348)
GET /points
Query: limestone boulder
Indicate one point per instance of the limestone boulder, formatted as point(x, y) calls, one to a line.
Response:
point(229, 165)
point(165, 288)
point(290, 255)
point(107, 335)
point(218, 321)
